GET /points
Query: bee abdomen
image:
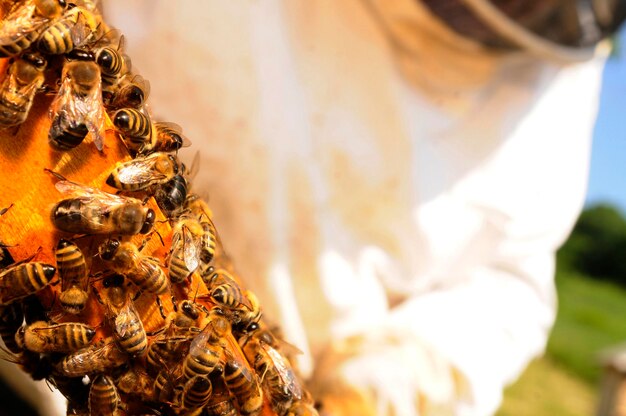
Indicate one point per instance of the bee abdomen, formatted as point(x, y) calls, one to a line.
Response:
point(177, 267)
point(201, 364)
point(197, 392)
point(245, 387)
point(57, 39)
point(227, 295)
point(19, 44)
point(162, 388)
point(171, 196)
point(134, 124)
point(134, 341)
point(70, 260)
point(25, 279)
point(103, 396)
point(65, 134)
point(67, 216)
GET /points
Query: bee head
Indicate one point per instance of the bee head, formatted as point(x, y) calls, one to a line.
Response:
point(114, 280)
point(135, 95)
point(189, 309)
point(78, 54)
point(149, 221)
point(35, 60)
point(108, 249)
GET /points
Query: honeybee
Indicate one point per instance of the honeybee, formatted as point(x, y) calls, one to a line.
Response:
point(186, 248)
point(143, 137)
point(301, 408)
point(91, 211)
point(112, 62)
point(143, 271)
point(278, 380)
point(169, 137)
point(77, 108)
point(76, 27)
point(131, 91)
point(226, 292)
point(163, 386)
point(143, 172)
point(196, 393)
point(171, 196)
point(73, 271)
point(93, 359)
point(11, 318)
point(244, 385)
point(38, 366)
point(17, 92)
point(23, 279)
point(198, 206)
point(104, 399)
point(43, 337)
point(134, 381)
point(247, 316)
point(180, 329)
point(123, 317)
point(74, 390)
point(23, 24)
point(220, 403)
point(206, 348)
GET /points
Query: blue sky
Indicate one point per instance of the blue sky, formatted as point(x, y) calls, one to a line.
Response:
point(607, 181)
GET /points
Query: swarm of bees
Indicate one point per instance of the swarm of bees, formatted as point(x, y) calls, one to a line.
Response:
point(212, 352)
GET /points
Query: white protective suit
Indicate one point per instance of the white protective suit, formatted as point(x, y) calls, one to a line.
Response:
point(392, 192)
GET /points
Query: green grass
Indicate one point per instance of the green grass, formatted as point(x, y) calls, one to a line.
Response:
point(591, 318)
point(546, 389)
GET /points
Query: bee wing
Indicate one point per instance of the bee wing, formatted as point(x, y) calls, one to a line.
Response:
point(139, 170)
point(191, 250)
point(86, 192)
point(80, 32)
point(198, 345)
point(195, 166)
point(91, 110)
point(125, 318)
point(20, 21)
point(63, 100)
point(285, 373)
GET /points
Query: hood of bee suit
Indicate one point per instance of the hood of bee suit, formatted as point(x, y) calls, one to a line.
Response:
point(454, 46)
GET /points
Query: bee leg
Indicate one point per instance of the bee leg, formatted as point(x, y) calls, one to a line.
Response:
point(156, 332)
point(161, 311)
point(137, 295)
point(4, 210)
point(55, 174)
point(98, 298)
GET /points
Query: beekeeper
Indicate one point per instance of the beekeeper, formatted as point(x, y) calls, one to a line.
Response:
point(392, 178)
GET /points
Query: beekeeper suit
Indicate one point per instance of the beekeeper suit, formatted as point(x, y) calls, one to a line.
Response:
point(392, 189)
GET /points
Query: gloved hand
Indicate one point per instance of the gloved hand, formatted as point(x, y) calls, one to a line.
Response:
point(383, 374)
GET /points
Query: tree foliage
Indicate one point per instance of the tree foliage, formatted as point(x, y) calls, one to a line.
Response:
point(597, 245)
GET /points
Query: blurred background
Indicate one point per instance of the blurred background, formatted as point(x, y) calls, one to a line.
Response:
point(577, 373)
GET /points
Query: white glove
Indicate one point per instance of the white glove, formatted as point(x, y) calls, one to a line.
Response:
point(387, 374)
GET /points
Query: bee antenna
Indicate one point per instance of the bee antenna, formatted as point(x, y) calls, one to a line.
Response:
point(196, 294)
